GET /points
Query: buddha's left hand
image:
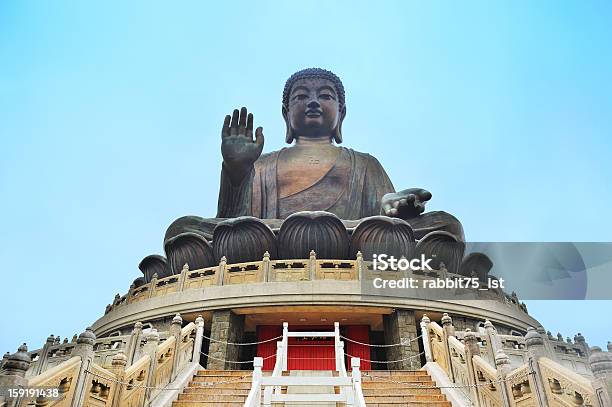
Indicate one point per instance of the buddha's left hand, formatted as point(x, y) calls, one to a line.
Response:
point(405, 204)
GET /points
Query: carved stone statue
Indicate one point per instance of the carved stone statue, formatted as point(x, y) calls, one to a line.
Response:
point(314, 173)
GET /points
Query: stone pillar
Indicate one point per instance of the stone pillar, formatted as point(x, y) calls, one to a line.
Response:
point(312, 265)
point(13, 371)
point(43, 355)
point(535, 350)
point(425, 321)
point(226, 327)
point(132, 351)
point(118, 365)
point(150, 348)
point(265, 265)
point(197, 343)
point(84, 350)
point(502, 364)
point(4, 359)
point(546, 338)
point(400, 327)
point(471, 349)
point(601, 366)
point(493, 342)
point(175, 330)
point(449, 330)
point(581, 342)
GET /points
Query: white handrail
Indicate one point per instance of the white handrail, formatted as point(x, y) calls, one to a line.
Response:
point(254, 397)
point(350, 387)
point(356, 375)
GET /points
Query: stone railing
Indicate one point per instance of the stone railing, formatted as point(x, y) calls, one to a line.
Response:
point(80, 381)
point(573, 355)
point(266, 270)
point(541, 381)
point(54, 353)
point(288, 270)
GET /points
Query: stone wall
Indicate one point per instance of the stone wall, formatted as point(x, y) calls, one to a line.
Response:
point(400, 327)
point(226, 327)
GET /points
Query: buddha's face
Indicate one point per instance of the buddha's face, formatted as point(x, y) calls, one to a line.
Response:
point(314, 110)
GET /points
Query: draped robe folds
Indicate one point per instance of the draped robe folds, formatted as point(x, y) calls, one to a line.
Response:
point(352, 189)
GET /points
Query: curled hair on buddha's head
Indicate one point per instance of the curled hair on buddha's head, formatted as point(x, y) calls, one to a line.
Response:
point(315, 73)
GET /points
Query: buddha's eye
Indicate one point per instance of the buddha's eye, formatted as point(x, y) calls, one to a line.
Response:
point(326, 96)
point(300, 96)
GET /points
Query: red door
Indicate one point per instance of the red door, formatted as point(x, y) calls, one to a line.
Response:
point(357, 333)
point(313, 353)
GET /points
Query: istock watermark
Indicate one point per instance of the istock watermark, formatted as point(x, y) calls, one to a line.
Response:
point(384, 262)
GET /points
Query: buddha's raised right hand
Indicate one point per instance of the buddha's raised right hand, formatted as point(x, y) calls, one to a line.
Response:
point(239, 149)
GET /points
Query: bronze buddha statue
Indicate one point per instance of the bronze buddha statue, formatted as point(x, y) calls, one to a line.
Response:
point(313, 174)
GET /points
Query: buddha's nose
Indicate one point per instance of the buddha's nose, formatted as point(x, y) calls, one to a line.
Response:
point(313, 104)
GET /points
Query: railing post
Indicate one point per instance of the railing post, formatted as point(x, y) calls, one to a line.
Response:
point(535, 350)
point(601, 366)
point(118, 365)
point(197, 343)
point(502, 363)
point(44, 355)
point(83, 349)
point(175, 330)
point(285, 344)
point(265, 265)
point(150, 348)
point(425, 321)
point(221, 270)
point(152, 285)
point(356, 375)
point(493, 342)
point(360, 266)
point(312, 265)
point(133, 344)
point(183, 277)
point(13, 372)
point(471, 349)
point(448, 330)
point(256, 382)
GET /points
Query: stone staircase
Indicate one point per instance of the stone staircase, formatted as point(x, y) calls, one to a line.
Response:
point(378, 392)
point(382, 392)
point(198, 394)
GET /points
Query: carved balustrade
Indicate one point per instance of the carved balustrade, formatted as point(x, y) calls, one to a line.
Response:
point(489, 390)
point(538, 382)
point(82, 381)
point(564, 387)
point(100, 387)
point(63, 376)
point(519, 383)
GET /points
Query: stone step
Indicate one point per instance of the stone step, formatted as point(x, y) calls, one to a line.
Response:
point(222, 398)
point(403, 399)
point(388, 373)
point(217, 390)
point(397, 378)
point(411, 404)
point(380, 384)
point(215, 379)
point(205, 372)
point(399, 391)
point(208, 404)
point(234, 385)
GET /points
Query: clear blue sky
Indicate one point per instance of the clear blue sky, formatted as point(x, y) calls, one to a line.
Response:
point(110, 118)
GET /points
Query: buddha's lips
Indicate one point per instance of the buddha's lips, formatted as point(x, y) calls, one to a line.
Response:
point(313, 113)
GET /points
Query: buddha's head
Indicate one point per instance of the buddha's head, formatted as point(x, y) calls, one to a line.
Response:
point(313, 105)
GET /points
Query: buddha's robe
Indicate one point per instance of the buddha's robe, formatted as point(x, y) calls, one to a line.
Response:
point(351, 189)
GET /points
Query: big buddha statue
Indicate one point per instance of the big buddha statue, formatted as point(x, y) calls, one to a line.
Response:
point(315, 173)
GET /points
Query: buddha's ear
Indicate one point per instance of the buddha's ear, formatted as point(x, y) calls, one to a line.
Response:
point(338, 132)
point(289, 133)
